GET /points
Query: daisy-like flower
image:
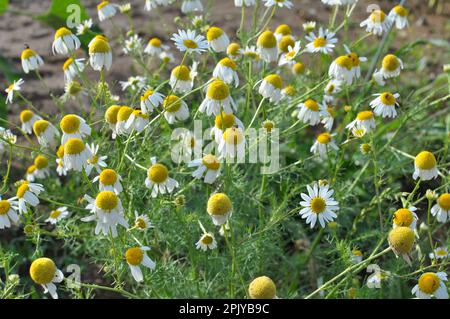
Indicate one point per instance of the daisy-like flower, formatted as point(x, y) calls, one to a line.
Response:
point(71, 68)
point(155, 47)
point(425, 166)
point(288, 92)
point(150, 100)
point(217, 39)
point(100, 54)
point(318, 205)
point(30, 60)
point(189, 41)
point(158, 180)
point(247, 3)
point(252, 54)
point(142, 222)
point(30, 177)
point(43, 271)
point(283, 30)
point(232, 144)
point(73, 126)
point(28, 118)
point(439, 253)
point(310, 112)
point(309, 26)
point(41, 164)
point(324, 144)
point(385, 103)
point(262, 288)
point(324, 42)
point(365, 121)
point(431, 284)
point(46, 133)
point(401, 240)
point(333, 87)
point(27, 193)
point(96, 161)
point(107, 211)
point(270, 88)
point(61, 169)
point(268, 126)
point(207, 241)
point(390, 68)
point(267, 46)
point(8, 212)
point(72, 89)
point(189, 6)
point(182, 79)
point(175, 109)
point(84, 27)
point(222, 122)
point(289, 56)
point(76, 154)
point(132, 45)
point(377, 22)
point(57, 214)
point(106, 10)
point(225, 70)
point(111, 118)
point(356, 62)
point(10, 90)
point(7, 138)
point(280, 3)
point(217, 99)
point(109, 180)
point(442, 208)
point(342, 69)
point(136, 257)
point(65, 42)
point(220, 208)
point(356, 256)
point(123, 115)
point(135, 83)
point(209, 166)
point(137, 121)
point(167, 57)
point(405, 217)
point(297, 68)
point(234, 51)
point(399, 16)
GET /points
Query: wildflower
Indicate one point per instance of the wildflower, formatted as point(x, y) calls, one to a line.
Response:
point(72, 89)
point(333, 87)
point(141, 222)
point(342, 69)
point(109, 180)
point(158, 180)
point(262, 288)
point(290, 55)
point(364, 121)
point(283, 30)
point(252, 54)
point(385, 103)
point(310, 112)
point(73, 126)
point(43, 271)
point(222, 122)
point(65, 42)
point(267, 46)
point(356, 256)
point(155, 47)
point(234, 50)
point(166, 57)
point(219, 208)
point(207, 241)
point(150, 100)
point(57, 214)
point(431, 284)
point(30, 177)
point(323, 144)
point(297, 68)
point(136, 257)
point(189, 41)
point(442, 208)
point(401, 240)
point(324, 42)
point(28, 118)
point(100, 54)
point(425, 166)
point(107, 211)
point(431, 195)
point(76, 154)
point(209, 166)
point(30, 60)
point(280, 3)
point(137, 121)
point(27, 194)
point(217, 39)
point(135, 83)
point(133, 45)
point(356, 62)
point(285, 42)
point(123, 115)
point(61, 170)
point(125, 8)
point(377, 22)
point(111, 118)
point(247, 3)
point(405, 217)
point(182, 79)
point(225, 70)
point(8, 212)
point(318, 205)
point(84, 27)
point(390, 68)
point(399, 16)
point(189, 6)
point(232, 143)
point(45, 132)
point(271, 87)
point(217, 98)
point(288, 92)
point(71, 68)
point(10, 90)
point(106, 10)
point(268, 125)
point(309, 26)
point(41, 165)
point(175, 109)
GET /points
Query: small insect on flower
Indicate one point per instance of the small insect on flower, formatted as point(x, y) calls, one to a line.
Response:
point(324, 144)
point(399, 16)
point(150, 100)
point(431, 284)
point(46, 133)
point(158, 180)
point(111, 118)
point(267, 46)
point(73, 126)
point(107, 211)
point(365, 121)
point(225, 70)
point(442, 208)
point(175, 109)
point(189, 41)
point(217, 99)
point(318, 205)
point(11, 89)
point(405, 217)
point(280, 3)
point(57, 214)
point(222, 122)
point(232, 144)
point(220, 208)
point(401, 240)
point(76, 154)
point(41, 167)
point(439, 253)
point(385, 103)
point(311, 112)
point(289, 56)
point(356, 256)
point(106, 10)
point(109, 180)
point(209, 166)
point(189, 6)
point(8, 212)
point(270, 88)
point(100, 54)
point(356, 62)
point(84, 27)
point(136, 257)
point(65, 42)
point(323, 43)
point(155, 47)
point(28, 118)
point(390, 68)
point(262, 288)
point(234, 51)
point(43, 271)
point(182, 78)
point(27, 193)
point(425, 166)
point(72, 67)
point(142, 222)
point(30, 60)
point(377, 22)
point(218, 40)
point(207, 241)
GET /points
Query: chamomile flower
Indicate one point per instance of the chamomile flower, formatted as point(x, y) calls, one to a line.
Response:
point(270, 88)
point(356, 62)
point(333, 87)
point(107, 211)
point(142, 222)
point(405, 217)
point(133, 45)
point(84, 27)
point(399, 16)
point(29, 176)
point(318, 205)
point(310, 112)
point(150, 100)
point(61, 169)
point(222, 122)
point(297, 68)
point(182, 78)
point(123, 115)
point(65, 42)
point(225, 70)
point(96, 161)
point(288, 92)
point(439, 253)
point(30, 60)
point(280, 3)
point(209, 166)
point(267, 46)
point(189, 6)
point(425, 166)
point(106, 10)
point(76, 154)
point(43, 271)
point(28, 118)
point(137, 121)
point(175, 109)
point(189, 41)
point(356, 256)
point(324, 42)
point(283, 30)
point(365, 121)
point(220, 208)
point(251, 53)
point(27, 193)
point(247, 3)
point(262, 288)
point(207, 241)
point(324, 144)
point(289, 56)
point(385, 103)
point(166, 57)
point(232, 143)
point(342, 69)
point(217, 39)
point(100, 54)
point(41, 164)
point(431, 284)
point(136, 257)
point(46, 133)
point(158, 180)
point(8, 212)
point(268, 126)
point(309, 26)
point(111, 118)
point(134, 83)
point(442, 208)
point(57, 214)
point(217, 99)
point(72, 68)
point(11, 89)
point(234, 51)
point(73, 126)
point(72, 89)
point(401, 240)
point(109, 180)
point(377, 22)
point(390, 68)
point(155, 47)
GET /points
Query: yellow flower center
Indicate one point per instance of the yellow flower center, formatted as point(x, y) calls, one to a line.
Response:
point(441, 252)
point(74, 146)
point(40, 126)
point(211, 162)
point(387, 99)
point(108, 177)
point(268, 126)
point(331, 111)
point(70, 124)
point(26, 115)
point(190, 44)
point(182, 73)
point(345, 62)
point(99, 45)
point(286, 42)
point(233, 49)
point(219, 204)
point(66, 64)
point(111, 114)
point(298, 68)
point(214, 33)
point(233, 136)
point(252, 55)
point(40, 162)
point(138, 113)
point(31, 169)
point(4, 207)
point(364, 116)
point(172, 103)
point(42, 270)
point(324, 138)
point(106, 200)
point(228, 63)
point(390, 62)
point(102, 4)
point(22, 190)
point(62, 32)
point(289, 90)
point(319, 42)
point(207, 239)
point(401, 239)
point(140, 223)
point(429, 282)
point(146, 94)
point(355, 59)
point(312, 105)
point(425, 160)
point(403, 217)
point(357, 252)
point(155, 42)
point(74, 88)
point(55, 214)
point(158, 173)
point(318, 205)
point(93, 160)
point(283, 29)
point(377, 16)
point(124, 113)
point(262, 288)
point(224, 121)
point(267, 40)
point(27, 53)
point(275, 80)
point(444, 201)
point(218, 90)
point(134, 256)
point(400, 10)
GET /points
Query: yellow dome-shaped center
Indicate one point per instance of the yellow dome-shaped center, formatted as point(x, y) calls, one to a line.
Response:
point(401, 11)
point(211, 162)
point(27, 53)
point(106, 200)
point(401, 239)
point(262, 288)
point(228, 63)
point(111, 114)
point(74, 146)
point(319, 42)
point(99, 45)
point(158, 173)
point(67, 63)
point(214, 33)
point(70, 124)
point(102, 4)
point(425, 160)
point(182, 73)
point(298, 68)
point(40, 126)
point(40, 162)
point(218, 90)
point(318, 205)
point(172, 103)
point(26, 115)
point(146, 94)
point(233, 48)
point(403, 217)
point(345, 62)
point(429, 282)
point(134, 256)
point(22, 190)
point(42, 270)
point(324, 138)
point(108, 177)
point(224, 121)
point(283, 29)
point(155, 42)
point(124, 113)
point(267, 40)
point(377, 16)
point(387, 98)
point(312, 105)
point(219, 204)
point(355, 59)
point(390, 62)
point(55, 214)
point(286, 42)
point(4, 207)
point(233, 136)
point(62, 32)
point(275, 80)
point(444, 201)
point(364, 116)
